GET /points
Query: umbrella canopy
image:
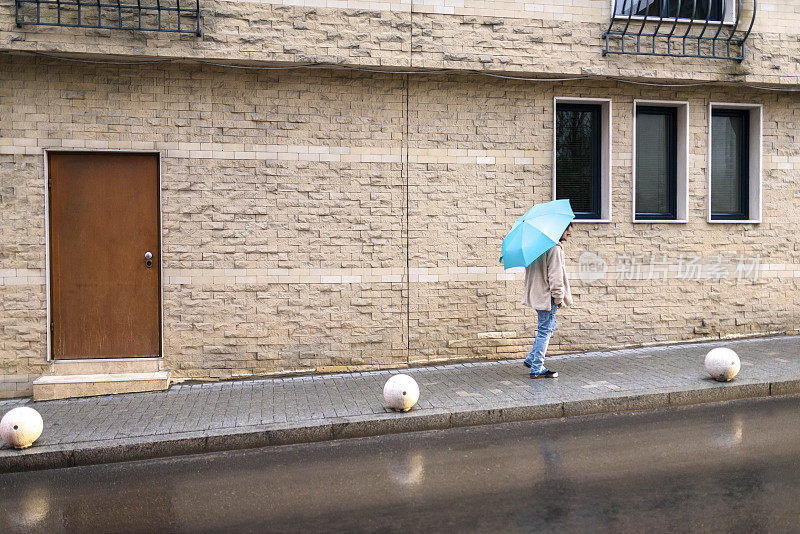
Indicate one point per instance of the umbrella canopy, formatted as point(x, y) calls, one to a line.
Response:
point(536, 232)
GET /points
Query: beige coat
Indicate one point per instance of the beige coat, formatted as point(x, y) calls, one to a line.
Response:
point(546, 279)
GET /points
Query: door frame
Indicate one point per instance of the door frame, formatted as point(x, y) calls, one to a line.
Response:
point(47, 273)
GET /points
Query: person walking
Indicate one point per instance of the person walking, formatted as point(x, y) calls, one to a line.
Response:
point(546, 290)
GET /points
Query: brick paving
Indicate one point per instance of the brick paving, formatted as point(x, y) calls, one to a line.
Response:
point(296, 402)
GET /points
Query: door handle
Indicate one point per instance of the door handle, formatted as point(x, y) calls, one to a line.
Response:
point(148, 259)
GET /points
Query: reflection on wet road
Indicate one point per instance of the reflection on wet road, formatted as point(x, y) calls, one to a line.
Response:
point(731, 467)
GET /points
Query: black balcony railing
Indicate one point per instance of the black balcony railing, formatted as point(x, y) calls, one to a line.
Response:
point(177, 16)
point(713, 29)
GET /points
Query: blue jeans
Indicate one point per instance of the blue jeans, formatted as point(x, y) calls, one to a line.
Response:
point(547, 324)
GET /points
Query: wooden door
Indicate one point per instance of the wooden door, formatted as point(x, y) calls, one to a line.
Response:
point(104, 219)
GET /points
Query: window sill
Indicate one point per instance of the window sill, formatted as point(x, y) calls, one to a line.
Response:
point(589, 221)
point(660, 221)
point(734, 221)
point(672, 20)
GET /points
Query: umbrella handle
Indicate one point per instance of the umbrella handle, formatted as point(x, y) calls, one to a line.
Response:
point(501, 259)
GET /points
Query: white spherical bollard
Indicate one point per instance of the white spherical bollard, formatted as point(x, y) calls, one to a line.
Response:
point(401, 392)
point(20, 427)
point(722, 364)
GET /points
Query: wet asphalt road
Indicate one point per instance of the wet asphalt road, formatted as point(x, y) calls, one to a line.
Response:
point(730, 467)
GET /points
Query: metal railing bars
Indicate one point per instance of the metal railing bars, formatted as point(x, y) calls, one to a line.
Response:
point(658, 27)
point(719, 29)
point(705, 27)
point(159, 15)
point(690, 24)
point(630, 16)
point(750, 27)
point(606, 34)
point(736, 24)
point(641, 28)
point(672, 30)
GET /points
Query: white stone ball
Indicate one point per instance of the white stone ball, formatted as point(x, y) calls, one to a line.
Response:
point(401, 392)
point(20, 427)
point(722, 364)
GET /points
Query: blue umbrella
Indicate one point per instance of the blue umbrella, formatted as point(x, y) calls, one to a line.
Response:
point(535, 233)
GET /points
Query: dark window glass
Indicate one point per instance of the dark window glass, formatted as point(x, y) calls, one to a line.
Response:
point(685, 9)
point(656, 163)
point(730, 147)
point(578, 158)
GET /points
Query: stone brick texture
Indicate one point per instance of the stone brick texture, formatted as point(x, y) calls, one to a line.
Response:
point(322, 219)
point(535, 38)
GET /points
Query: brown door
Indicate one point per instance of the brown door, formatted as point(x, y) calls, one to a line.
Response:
point(104, 219)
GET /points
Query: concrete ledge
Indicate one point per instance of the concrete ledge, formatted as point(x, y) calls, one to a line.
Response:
point(628, 403)
point(532, 413)
point(728, 391)
point(130, 449)
point(789, 387)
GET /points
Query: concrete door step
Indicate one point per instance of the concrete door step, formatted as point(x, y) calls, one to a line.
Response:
point(106, 366)
point(50, 387)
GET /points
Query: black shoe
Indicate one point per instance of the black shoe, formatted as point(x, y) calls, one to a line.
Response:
point(546, 374)
point(526, 364)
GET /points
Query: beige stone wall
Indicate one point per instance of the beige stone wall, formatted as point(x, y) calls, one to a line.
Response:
point(235, 30)
point(535, 38)
point(473, 201)
point(333, 220)
point(22, 254)
point(275, 186)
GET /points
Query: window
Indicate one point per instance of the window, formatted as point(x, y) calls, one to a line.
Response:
point(578, 158)
point(730, 168)
point(582, 156)
point(734, 173)
point(712, 10)
point(656, 163)
point(660, 161)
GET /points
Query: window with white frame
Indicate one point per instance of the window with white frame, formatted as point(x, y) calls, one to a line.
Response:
point(660, 160)
point(734, 183)
point(582, 156)
point(710, 10)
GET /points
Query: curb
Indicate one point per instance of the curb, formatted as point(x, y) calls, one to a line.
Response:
point(131, 449)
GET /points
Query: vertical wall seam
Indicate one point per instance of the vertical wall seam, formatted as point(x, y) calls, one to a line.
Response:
point(407, 225)
point(406, 136)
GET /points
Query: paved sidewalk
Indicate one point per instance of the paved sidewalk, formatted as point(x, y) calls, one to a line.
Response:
point(198, 418)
